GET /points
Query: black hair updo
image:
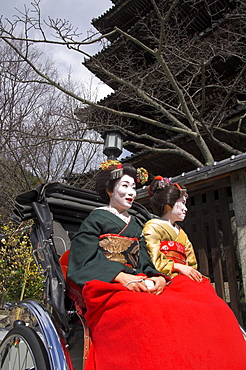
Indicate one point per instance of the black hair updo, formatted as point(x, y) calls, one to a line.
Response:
point(105, 182)
point(166, 196)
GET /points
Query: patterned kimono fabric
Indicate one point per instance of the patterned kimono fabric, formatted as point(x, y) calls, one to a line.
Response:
point(186, 327)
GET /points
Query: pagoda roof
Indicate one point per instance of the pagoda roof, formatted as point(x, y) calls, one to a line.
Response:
point(125, 14)
point(203, 21)
point(201, 28)
point(122, 15)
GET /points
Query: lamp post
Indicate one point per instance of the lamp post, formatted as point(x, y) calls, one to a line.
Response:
point(113, 142)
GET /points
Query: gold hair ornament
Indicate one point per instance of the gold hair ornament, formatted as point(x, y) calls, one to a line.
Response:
point(115, 166)
point(117, 171)
point(142, 175)
point(109, 163)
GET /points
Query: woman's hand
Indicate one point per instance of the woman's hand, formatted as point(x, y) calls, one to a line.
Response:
point(188, 271)
point(132, 282)
point(136, 283)
point(160, 283)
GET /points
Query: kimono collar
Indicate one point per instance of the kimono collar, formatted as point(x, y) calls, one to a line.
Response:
point(123, 216)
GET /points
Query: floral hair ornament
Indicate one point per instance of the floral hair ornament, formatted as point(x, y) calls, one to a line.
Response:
point(115, 166)
point(108, 164)
point(162, 182)
point(142, 175)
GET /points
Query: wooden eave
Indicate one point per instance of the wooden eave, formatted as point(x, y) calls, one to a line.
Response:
point(173, 164)
point(122, 15)
point(125, 14)
point(201, 177)
point(218, 170)
point(140, 127)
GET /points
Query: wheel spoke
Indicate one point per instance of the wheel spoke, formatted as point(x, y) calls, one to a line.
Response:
point(22, 349)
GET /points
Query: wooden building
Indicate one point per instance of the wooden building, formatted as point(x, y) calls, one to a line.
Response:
point(216, 192)
point(204, 24)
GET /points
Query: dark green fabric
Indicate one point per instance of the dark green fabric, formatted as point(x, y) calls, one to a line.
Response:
point(86, 262)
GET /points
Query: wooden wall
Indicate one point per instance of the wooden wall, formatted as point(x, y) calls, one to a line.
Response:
point(209, 226)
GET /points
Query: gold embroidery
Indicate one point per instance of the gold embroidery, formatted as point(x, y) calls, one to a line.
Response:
point(120, 249)
point(114, 244)
point(118, 257)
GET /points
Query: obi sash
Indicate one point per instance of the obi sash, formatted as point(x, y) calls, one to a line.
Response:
point(120, 249)
point(174, 250)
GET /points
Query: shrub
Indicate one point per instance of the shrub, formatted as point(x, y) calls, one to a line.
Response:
point(19, 275)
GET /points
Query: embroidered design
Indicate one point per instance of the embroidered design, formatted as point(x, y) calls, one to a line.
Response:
point(174, 250)
point(169, 245)
point(118, 257)
point(119, 248)
point(115, 244)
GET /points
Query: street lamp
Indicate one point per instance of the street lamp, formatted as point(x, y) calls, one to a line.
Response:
point(113, 142)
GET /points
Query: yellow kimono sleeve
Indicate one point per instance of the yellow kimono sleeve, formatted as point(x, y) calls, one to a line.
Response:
point(153, 236)
point(190, 254)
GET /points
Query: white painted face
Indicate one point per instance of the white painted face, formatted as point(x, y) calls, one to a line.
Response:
point(123, 194)
point(179, 210)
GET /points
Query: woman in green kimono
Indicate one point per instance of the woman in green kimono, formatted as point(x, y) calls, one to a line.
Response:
point(109, 245)
point(138, 320)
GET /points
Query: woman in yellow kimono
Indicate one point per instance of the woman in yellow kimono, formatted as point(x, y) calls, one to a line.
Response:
point(198, 313)
point(168, 245)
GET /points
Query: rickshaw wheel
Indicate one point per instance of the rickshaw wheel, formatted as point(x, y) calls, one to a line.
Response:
point(23, 349)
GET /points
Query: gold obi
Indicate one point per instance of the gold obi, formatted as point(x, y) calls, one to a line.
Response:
point(120, 249)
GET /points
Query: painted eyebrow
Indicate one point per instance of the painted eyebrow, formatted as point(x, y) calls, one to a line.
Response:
point(127, 182)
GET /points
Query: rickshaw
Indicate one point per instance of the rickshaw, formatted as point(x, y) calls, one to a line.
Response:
point(53, 334)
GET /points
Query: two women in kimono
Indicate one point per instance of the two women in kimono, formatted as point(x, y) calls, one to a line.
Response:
point(140, 316)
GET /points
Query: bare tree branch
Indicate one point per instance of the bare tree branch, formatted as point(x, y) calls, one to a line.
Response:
point(168, 79)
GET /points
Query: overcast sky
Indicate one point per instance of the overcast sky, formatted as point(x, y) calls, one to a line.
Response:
point(80, 14)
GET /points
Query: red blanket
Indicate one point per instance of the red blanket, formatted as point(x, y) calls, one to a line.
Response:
point(187, 327)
